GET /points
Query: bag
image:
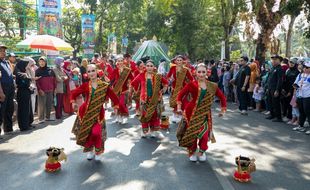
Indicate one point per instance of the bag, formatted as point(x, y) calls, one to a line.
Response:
point(181, 129)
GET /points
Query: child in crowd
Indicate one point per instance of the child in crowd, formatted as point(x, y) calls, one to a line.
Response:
point(258, 93)
point(295, 111)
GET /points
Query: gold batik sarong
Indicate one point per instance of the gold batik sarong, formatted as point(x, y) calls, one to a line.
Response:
point(198, 118)
point(122, 79)
point(180, 77)
point(92, 113)
point(151, 105)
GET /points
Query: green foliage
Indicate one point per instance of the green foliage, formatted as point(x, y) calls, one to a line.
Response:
point(235, 55)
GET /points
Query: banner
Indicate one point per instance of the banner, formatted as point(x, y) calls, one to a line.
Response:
point(88, 35)
point(124, 44)
point(50, 18)
point(112, 44)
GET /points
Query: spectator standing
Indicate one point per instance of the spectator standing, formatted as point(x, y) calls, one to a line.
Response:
point(303, 84)
point(242, 83)
point(258, 93)
point(288, 90)
point(23, 81)
point(46, 85)
point(7, 83)
point(83, 69)
point(12, 61)
point(275, 81)
point(214, 76)
point(226, 79)
point(31, 71)
point(69, 86)
point(60, 78)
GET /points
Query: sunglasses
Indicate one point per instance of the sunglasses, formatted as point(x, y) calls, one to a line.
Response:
point(201, 71)
point(149, 66)
point(91, 71)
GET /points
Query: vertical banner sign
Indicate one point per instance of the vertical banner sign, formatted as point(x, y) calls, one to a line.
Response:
point(50, 18)
point(88, 35)
point(124, 44)
point(112, 44)
point(50, 23)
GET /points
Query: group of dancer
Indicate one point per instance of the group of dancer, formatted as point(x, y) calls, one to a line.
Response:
point(191, 98)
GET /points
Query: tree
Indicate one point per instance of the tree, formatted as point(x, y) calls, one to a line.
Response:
point(267, 19)
point(72, 26)
point(293, 9)
point(229, 12)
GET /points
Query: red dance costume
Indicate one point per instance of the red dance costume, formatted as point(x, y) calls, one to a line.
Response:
point(93, 131)
point(177, 85)
point(150, 97)
point(120, 83)
point(197, 114)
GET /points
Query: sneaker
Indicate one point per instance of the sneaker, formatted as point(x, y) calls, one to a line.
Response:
point(203, 157)
point(124, 120)
point(90, 155)
point(302, 129)
point(116, 119)
point(120, 119)
point(250, 108)
point(41, 121)
point(297, 128)
point(285, 119)
point(158, 134)
point(308, 132)
point(267, 113)
point(143, 135)
point(152, 134)
point(97, 157)
point(244, 112)
point(193, 158)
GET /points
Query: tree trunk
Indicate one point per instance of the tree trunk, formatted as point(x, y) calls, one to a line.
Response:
point(288, 44)
point(21, 27)
point(261, 47)
point(99, 40)
point(227, 49)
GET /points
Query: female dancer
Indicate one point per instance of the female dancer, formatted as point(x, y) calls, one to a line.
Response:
point(197, 122)
point(180, 76)
point(152, 86)
point(90, 123)
point(120, 80)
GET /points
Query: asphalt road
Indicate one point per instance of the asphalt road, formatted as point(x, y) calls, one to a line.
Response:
point(282, 158)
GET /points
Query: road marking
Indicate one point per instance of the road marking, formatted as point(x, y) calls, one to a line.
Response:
point(220, 174)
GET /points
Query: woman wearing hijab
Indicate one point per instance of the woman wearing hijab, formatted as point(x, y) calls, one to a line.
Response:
point(46, 85)
point(24, 110)
point(60, 78)
point(69, 85)
point(31, 71)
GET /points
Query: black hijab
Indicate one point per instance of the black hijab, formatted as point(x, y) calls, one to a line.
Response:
point(21, 66)
point(43, 71)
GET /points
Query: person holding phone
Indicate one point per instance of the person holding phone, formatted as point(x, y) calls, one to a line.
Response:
point(302, 83)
